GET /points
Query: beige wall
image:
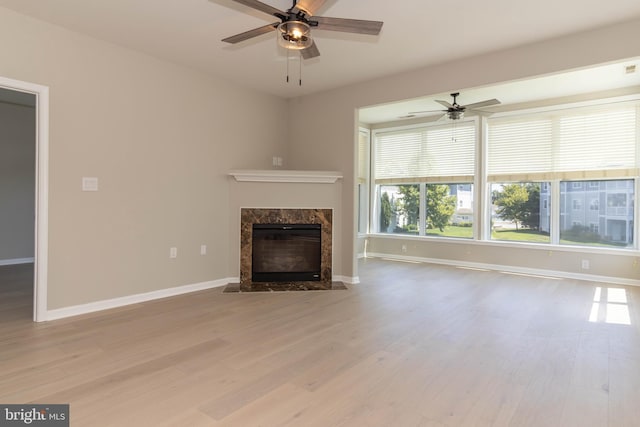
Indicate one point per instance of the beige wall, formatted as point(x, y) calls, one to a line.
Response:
point(17, 181)
point(323, 130)
point(159, 137)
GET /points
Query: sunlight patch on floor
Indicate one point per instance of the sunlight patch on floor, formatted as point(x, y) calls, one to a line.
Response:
point(610, 306)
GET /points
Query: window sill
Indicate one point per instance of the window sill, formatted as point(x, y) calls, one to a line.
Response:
point(633, 252)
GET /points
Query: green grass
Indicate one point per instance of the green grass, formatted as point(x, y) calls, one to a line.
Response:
point(523, 235)
point(452, 231)
point(520, 236)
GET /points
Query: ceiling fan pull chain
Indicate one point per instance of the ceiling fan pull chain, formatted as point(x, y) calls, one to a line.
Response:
point(287, 65)
point(300, 71)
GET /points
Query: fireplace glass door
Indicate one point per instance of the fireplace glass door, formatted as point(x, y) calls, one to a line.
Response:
point(286, 252)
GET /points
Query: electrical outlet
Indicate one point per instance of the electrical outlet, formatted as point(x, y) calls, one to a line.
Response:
point(277, 161)
point(404, 248)
point(173, 252)
point(89, 183)
point(585, 264)
point(203, 249)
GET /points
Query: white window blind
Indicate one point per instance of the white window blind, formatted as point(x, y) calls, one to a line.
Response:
point(568, 144)
point(443, 153)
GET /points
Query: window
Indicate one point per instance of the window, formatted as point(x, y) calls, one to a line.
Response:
point(399, 208)
point(562, 177)
point(449, 210)
point(576, 204)
point(563, 144)
point(425, 154)
point(561, 147)
point(423, 179)
point(612, 226)
point(519, 212)
point(444, 210)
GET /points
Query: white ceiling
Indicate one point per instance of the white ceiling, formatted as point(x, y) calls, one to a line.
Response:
point(604, 81)
point(416, 33)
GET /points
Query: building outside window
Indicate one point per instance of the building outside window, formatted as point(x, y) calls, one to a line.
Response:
point(612, 226)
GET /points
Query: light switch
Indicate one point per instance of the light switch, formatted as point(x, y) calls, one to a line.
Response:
point(89, 183)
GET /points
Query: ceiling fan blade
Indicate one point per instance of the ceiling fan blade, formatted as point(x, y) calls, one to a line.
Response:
point(255, 4)
point(251, 33)
point(348, 25)
point(481, 104)
point(310, 52)
point(309, 7)
point(427, 111)
point(444, 103)
point(480, 112)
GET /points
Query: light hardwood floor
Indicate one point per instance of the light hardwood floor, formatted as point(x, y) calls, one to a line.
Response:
point(412, 345)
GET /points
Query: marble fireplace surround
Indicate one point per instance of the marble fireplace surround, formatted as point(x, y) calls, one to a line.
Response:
point(250, 216)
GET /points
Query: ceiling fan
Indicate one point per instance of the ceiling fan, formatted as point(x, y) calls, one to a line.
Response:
point(456, 111)
point(294, 27)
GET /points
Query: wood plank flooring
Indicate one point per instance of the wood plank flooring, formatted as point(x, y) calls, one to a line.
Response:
point(411, 345)
point(16, 293)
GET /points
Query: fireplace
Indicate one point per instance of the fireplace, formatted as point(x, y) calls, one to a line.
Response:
point(286, 252)
point(285, 245)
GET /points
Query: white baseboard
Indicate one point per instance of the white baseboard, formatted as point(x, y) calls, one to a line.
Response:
point(510, 269)
point(346, 279)
point(16, 261)
point(91, 307)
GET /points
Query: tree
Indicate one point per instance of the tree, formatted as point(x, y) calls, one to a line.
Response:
point(440, 206)
point(385, 212)
point(532, 207)
point(512, 203)
point(409, 204)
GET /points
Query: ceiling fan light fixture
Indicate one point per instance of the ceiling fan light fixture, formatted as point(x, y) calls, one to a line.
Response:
point(456, 115)
point(294, 35)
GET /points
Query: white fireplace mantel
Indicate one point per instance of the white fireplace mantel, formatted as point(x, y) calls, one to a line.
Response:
point(279, 175)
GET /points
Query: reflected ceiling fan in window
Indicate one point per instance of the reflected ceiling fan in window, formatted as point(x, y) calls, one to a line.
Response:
point(294, 28)
point(456, 111)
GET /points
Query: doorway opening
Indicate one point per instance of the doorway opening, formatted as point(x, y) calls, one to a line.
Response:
point(24, 187)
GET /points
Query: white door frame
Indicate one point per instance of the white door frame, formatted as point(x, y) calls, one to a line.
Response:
point(42, 192)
